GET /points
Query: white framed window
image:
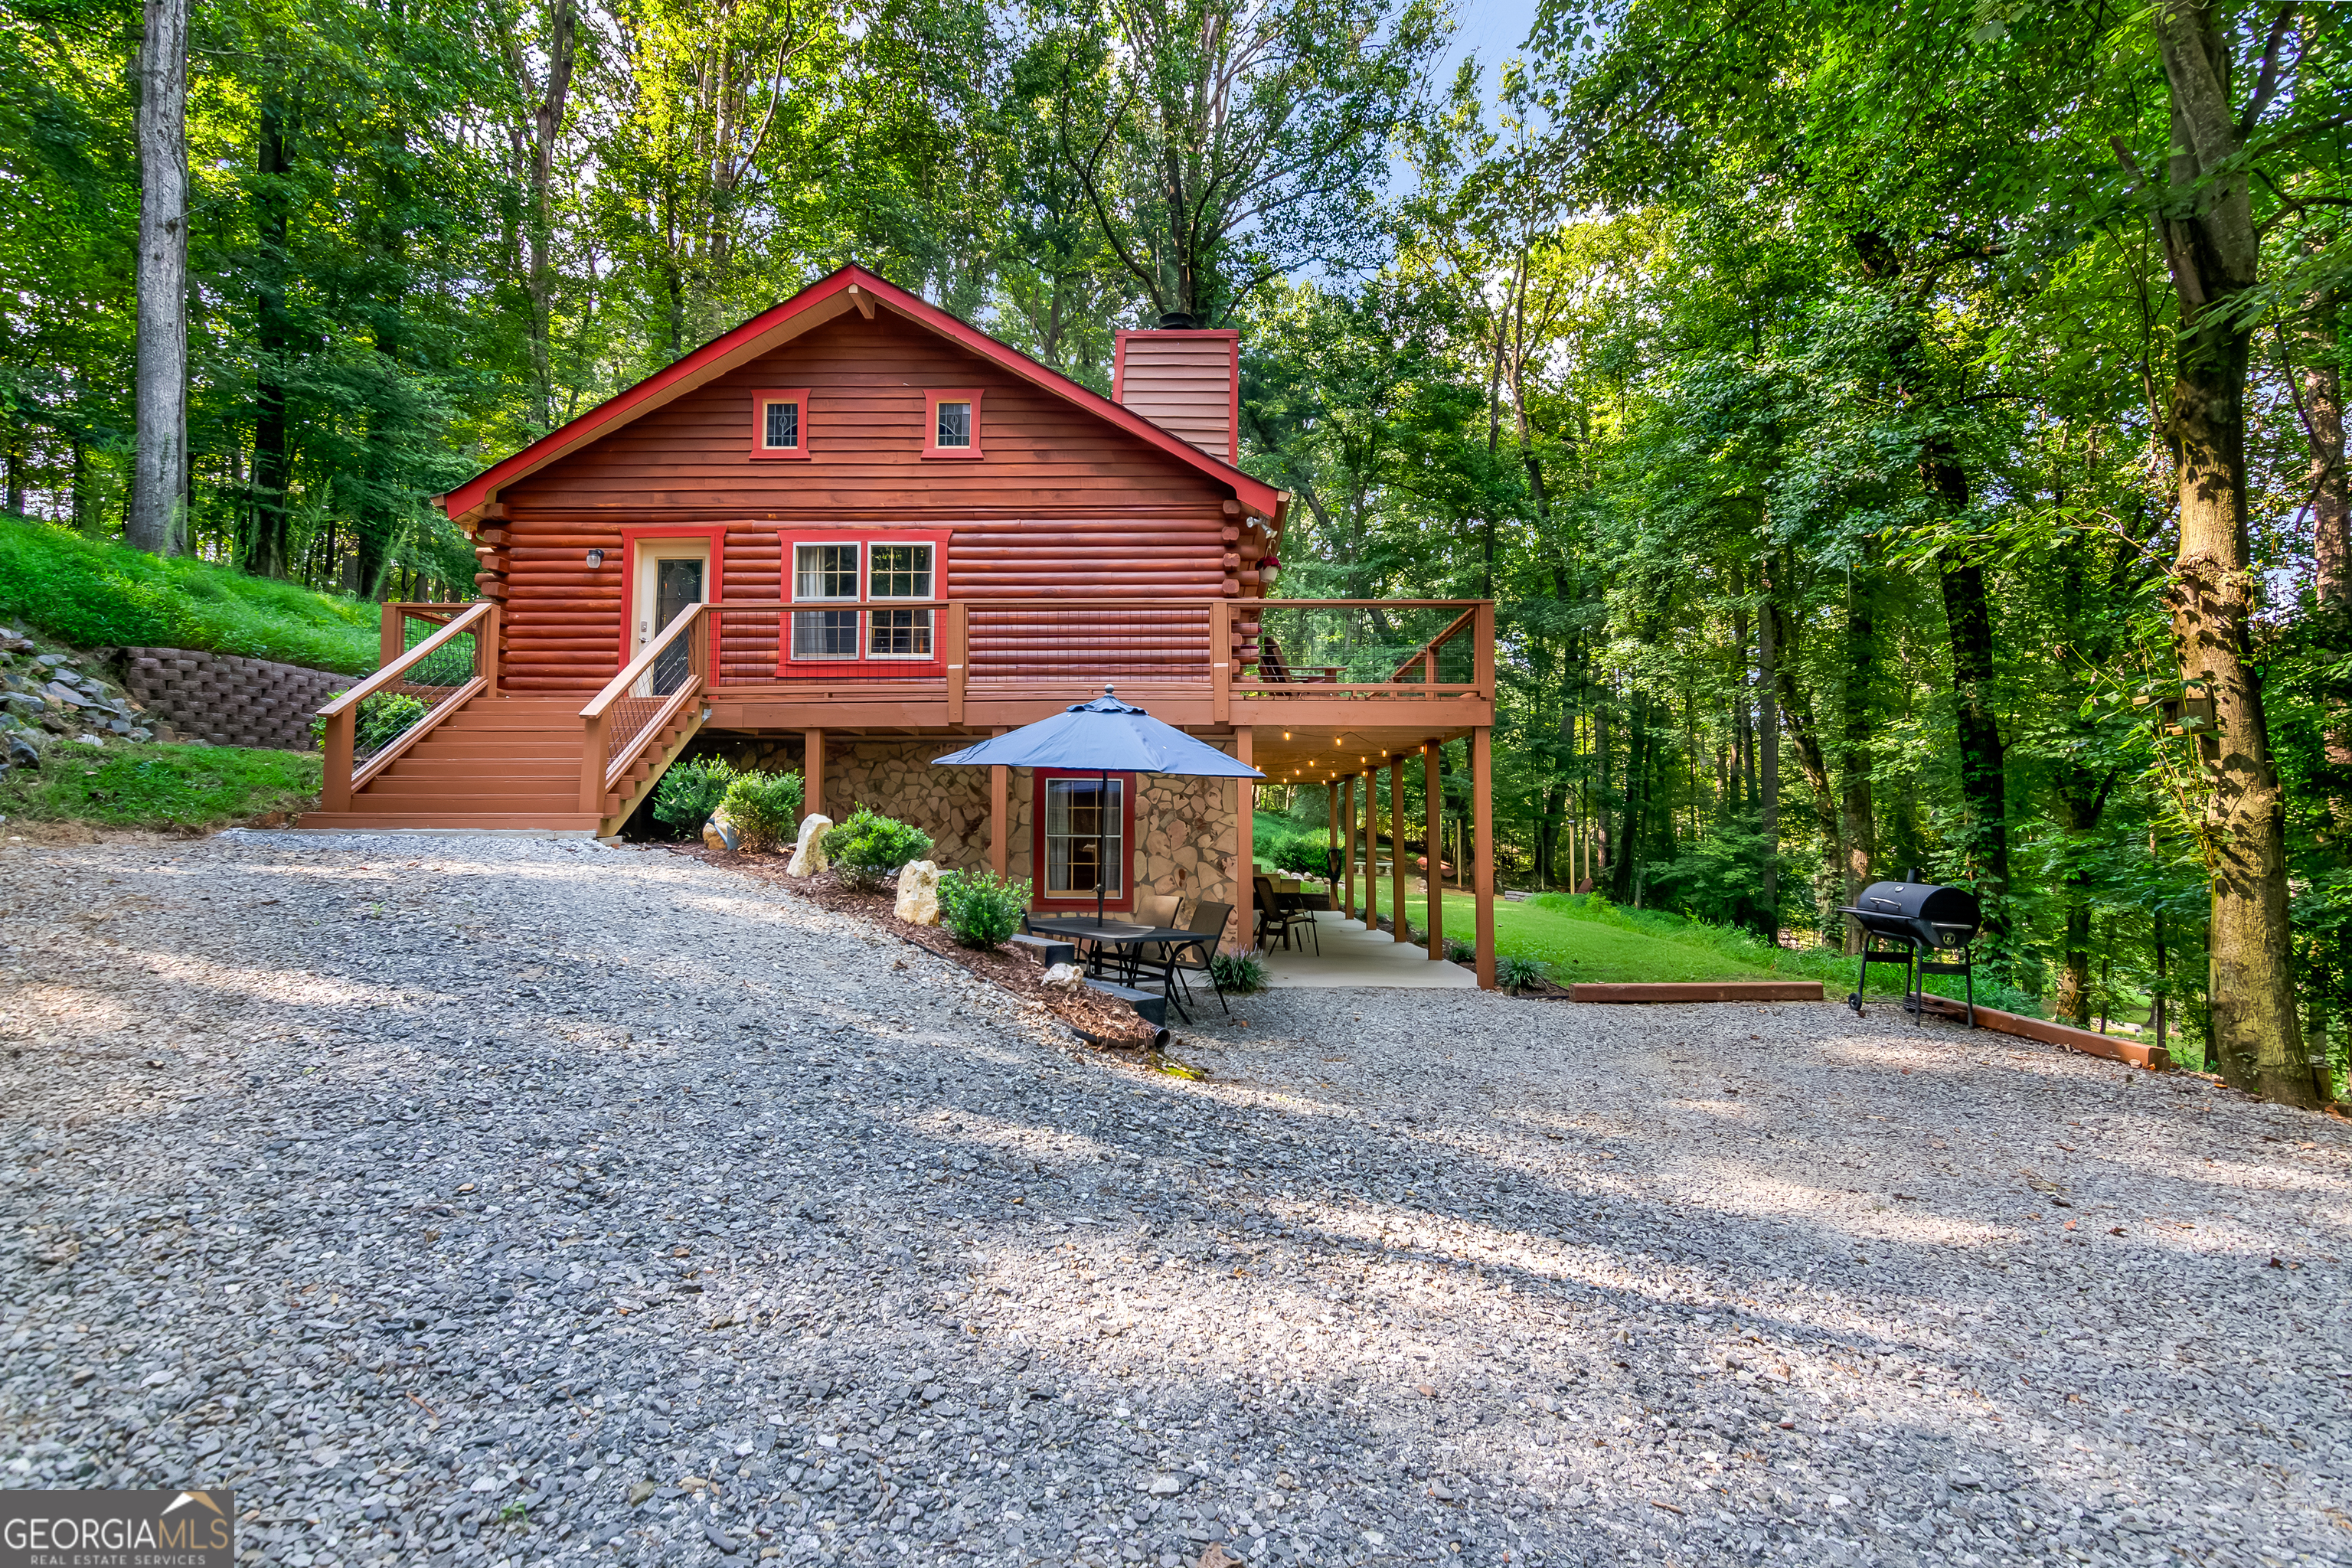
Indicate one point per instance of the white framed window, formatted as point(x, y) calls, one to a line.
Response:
point(780, 422)
point(888, 591)
point(1085, 838)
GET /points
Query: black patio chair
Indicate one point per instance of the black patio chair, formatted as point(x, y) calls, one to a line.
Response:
point(1277, 917)
point(1170, 961)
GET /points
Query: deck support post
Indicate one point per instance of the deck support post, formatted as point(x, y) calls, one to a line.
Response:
point(1433, 833)
point(812, 771)
point(1396, 855)
point(1372, 848)
point(1482, 809)
point(485, 641)
point(1346, 888)
point(999, 819)
point(959, 655)
point(1330, 834)
point(1245, 913)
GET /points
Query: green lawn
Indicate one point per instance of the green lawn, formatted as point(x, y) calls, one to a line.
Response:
point(92, 593)
point(160, 786)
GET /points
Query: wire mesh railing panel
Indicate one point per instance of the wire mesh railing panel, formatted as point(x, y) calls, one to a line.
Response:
point(635, 711)
point(1087, 642)
point(1308, 644)
point(386, 716)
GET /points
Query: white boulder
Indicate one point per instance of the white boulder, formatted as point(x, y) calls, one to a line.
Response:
point(919, 893)
point(1065, 977)
point(808, 854)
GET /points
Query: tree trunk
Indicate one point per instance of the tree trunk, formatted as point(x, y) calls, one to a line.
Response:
point(1768, 735)
point(270, 544)
point(159, 471)
point(547, 125)
point(1968, 617)
point(1810, 759)
point(1855, 825)
point(2213, 252)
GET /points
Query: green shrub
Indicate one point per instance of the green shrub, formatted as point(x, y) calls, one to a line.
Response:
point(690, 791)
point(1460, 952)
point(764, 807)
point(1516, 973)
point(1302, 855)
point(1238, 974)
point(93, 594)
point(869, 846)
point(981, 907)
point(384, 719)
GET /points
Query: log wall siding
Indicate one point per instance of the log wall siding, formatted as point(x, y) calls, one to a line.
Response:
point(1063, 505)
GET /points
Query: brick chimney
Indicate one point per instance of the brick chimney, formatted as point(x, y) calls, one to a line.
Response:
point(1187, 381)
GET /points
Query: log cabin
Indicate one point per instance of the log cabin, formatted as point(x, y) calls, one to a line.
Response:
point(856, 532)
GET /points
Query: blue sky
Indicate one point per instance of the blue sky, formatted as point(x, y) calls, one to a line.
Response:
point(1491, 29)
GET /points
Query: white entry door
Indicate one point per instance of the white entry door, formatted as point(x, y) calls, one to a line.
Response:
point(671, 574)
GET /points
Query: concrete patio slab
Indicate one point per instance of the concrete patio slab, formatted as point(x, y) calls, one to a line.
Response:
point(1351, 955)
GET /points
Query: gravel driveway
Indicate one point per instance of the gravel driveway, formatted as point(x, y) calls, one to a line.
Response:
point(495, 1201)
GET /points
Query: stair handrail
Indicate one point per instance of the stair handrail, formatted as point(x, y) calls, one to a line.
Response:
point(597, 773)
point(341, 713)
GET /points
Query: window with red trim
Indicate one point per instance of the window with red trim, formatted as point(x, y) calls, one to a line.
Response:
point(952, 421)
point(864, 603)
point(1069, 808)
point(780, 423)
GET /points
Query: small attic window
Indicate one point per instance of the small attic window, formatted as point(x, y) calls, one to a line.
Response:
point(952, 421)
point(780, 423)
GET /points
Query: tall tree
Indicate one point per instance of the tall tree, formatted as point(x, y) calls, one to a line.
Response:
point(2203, 208)
point(158, 484)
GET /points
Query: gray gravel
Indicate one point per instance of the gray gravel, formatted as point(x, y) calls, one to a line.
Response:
point(516, 1201)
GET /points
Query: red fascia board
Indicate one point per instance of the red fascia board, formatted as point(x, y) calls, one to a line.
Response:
point(623, 406)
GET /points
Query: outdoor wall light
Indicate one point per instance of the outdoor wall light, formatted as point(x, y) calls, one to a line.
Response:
point(595, 558)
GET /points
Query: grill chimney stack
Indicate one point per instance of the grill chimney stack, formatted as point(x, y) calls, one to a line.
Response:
point(1185, 379)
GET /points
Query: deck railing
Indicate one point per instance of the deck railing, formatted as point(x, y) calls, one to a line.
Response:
point(416, 690)
point(636, 705)
point(1355, 649)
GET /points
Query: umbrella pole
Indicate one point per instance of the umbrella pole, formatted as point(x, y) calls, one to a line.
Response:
point(1102, 868)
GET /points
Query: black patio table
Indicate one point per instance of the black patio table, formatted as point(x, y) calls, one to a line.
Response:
point(1128, 939)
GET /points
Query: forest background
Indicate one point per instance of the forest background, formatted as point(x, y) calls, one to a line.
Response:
point(1898, 438)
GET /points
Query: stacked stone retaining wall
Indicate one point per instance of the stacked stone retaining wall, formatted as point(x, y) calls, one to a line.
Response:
point(231, 701)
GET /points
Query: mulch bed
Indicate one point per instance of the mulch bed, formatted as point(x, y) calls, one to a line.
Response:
point(1016, 969)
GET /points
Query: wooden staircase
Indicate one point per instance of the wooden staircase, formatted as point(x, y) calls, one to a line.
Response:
point(510, 763)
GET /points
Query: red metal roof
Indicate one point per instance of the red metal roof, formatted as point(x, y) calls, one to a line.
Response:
point(746, 341)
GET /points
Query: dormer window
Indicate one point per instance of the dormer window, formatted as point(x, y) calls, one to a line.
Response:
point(780, 423)
point(951, 422)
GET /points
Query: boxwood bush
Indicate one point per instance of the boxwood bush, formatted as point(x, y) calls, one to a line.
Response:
point(764, 807)
point(869, 846)
point(981, 907)
point(690, 791)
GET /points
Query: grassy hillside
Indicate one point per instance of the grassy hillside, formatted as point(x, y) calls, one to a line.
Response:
point(160, 786)
point(92, 593)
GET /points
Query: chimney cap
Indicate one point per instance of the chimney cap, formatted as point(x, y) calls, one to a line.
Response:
point(1177, 322)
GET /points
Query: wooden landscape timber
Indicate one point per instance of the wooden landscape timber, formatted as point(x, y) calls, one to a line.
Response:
point(2115, 1047)
point(1698, 990)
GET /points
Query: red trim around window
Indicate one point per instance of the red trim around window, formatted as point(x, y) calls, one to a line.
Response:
point(714, 572)
point(796, 395)
point(935, 666)
point(1124, 898)
point(931, 401)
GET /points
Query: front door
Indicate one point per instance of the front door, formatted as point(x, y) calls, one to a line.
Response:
point(670, 575)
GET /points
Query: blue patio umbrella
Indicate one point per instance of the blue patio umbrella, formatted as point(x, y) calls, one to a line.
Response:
point(1111, 737)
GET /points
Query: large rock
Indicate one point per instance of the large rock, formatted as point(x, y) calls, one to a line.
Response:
point(808, 853)
point(720, 832)
point(1063, 977)
point(919, 893)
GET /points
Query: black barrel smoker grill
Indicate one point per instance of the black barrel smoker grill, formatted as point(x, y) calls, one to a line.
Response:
point(1925, 921)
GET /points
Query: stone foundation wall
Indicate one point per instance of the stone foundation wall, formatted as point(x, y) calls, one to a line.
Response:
point(1183, 827)
point(231, 701)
